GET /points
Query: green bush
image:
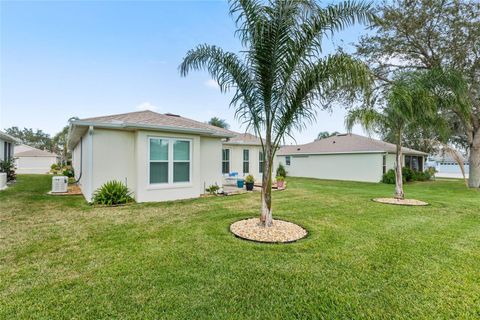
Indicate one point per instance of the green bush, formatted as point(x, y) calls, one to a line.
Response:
point(389, 177)
point(408, 174)
point(8, 167)
point(54, 167)
point(281, 172)
point(112, 193)
point(68, 172)
point(213, 189)
point(423, 176)
point(249, 179)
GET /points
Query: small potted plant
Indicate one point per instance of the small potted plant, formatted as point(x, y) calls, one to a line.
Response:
point(280, 182)
point(249, 182)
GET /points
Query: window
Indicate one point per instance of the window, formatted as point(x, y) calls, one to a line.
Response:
point(225, 160)
point(246, 159)
point(261, 161)
point(169, 160)
point(287, 160)
point(414, 162)
point(384, 164)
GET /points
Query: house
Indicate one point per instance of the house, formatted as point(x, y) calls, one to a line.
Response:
point(346, 157)
point(7, 145)
point(29, 160)
point(242, 154)
point(158, 156)
point(446, 166)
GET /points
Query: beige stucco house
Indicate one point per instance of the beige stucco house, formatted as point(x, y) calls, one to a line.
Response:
point(158, 156)
point(242, 154)
point(346, 157)
point(29, 160)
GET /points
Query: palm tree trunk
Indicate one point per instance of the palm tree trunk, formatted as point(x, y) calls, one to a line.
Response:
point(474, 161)
point(266, 213)
point(398, 171)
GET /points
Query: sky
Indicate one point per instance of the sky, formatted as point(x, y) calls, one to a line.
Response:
point(60, 59)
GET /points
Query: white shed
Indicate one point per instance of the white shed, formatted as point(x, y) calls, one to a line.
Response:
point(29, 160)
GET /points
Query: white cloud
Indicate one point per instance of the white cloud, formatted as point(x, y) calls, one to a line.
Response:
point(212, 84)
point(146, 106)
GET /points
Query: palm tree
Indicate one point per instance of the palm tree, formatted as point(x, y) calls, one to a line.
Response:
point(409, 103)
point(280, 77)
point(217, 122)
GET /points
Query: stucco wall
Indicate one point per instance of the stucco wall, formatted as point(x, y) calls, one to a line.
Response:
point(210, 162)
point(82, 164)
point(123, 155)
point(236, 160)
point(34, 165)
point(354, 167)
point(114, 158)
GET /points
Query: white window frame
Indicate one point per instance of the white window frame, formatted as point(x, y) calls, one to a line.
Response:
point(170, 161)
point(246, 161)
point(288, 160)
point(227, 161)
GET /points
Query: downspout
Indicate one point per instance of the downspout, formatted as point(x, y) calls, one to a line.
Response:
point(90, 163)
point(81, 161)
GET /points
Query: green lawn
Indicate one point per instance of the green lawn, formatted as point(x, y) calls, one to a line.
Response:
point(61, 258)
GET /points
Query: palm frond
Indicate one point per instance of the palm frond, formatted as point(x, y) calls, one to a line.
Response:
point(369, 119)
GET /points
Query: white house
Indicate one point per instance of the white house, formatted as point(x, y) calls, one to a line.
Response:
point(7, 145)
point(158, 156)
point(346, 157)
point(446, 166)
point(29, 160)
point(242, 154)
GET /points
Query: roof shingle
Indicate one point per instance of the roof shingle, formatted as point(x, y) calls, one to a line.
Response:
point(345, 143)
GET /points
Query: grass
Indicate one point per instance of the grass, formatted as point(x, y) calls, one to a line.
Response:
point(62, 259)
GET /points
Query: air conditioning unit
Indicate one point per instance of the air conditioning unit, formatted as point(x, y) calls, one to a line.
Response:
point(59, 184)
point(3, 180)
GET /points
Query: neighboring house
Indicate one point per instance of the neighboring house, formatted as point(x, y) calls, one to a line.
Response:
point(446, 166)
point(158, 156)
point(346, 157)
point(243, 154)
point(7, 145)
point(29, 160)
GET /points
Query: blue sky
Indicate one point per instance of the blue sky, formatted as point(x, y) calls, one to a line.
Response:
point(60, 59)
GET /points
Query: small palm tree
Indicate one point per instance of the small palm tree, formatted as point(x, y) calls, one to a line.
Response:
point(409, 103)
point(217, 122)
point(280, 77)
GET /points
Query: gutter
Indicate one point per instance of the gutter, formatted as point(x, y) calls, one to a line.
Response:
point(346, 152)
point(127, 125)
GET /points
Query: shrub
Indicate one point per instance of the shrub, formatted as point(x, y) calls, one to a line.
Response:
point(112, 193)
point(8, 167)
point(249, 179)
point(408, 174)
point(423, 176)
point(68, 171)
point(281, 172)
point(213, 189)
point(280, 178)
point(389, 177)
point(54, 167)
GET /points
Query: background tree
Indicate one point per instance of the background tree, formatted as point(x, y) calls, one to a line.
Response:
point(280, 77)
point(408, 104)
point(60, 141)
point(426, 34)
point(326, 134)
point(33, 138)
point(217, 122)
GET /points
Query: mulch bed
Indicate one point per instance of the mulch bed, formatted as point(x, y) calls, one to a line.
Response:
point(73, 190)
point(401, 202)
point(280, 232)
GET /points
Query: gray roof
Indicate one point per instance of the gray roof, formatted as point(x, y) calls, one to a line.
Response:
point(35, 153)
point(345, 143)
point(9, 138)
point(147, 120)
point(244, 139)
